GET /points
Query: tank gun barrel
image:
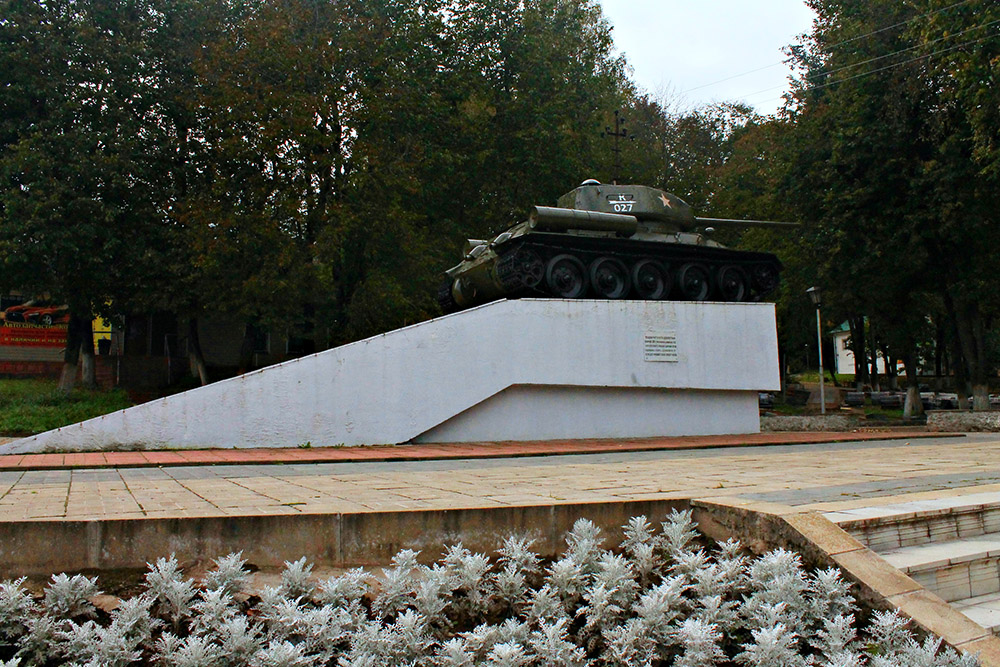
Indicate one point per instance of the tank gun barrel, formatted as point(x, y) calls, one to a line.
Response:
point(731, 222)
point(550, 219)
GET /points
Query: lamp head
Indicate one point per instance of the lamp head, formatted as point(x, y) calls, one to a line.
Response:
point(815, 295)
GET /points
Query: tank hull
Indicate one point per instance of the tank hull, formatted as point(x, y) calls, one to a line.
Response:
point(571, 266)
point(611, 242)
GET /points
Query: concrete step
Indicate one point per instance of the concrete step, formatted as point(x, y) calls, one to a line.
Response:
point(983, 609)
point(948, 545)
point(890, 527)
point(954, 570)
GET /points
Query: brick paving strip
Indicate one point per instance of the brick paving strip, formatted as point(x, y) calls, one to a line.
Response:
point(433, 452)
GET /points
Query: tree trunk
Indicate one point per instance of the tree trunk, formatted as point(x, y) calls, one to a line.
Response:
point(71, 355)
point(246, 350)
point(961, 373)
point(957, 355)
point(830, 359)
point(309, 345)
point(913, 407)
point(890, 369)
point(940, 360)
point(971, 335)
point(861, 377)
point(196, 358)
point(980, 397)
point(876, 385)
point(88, 366)
point(980, 381)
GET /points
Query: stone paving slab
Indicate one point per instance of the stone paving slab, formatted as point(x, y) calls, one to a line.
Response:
point(844, 510)
point(817, 473)
point(875, 485)
point(474, 450)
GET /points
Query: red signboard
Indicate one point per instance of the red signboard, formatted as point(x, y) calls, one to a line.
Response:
point(22, 334)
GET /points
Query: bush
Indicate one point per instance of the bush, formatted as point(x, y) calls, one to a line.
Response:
point(661, 598)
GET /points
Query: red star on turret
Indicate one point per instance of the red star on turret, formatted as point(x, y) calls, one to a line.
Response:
point(665, 200)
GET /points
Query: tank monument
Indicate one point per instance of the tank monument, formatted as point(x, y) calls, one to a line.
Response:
point(612, 242)
point(612, 315)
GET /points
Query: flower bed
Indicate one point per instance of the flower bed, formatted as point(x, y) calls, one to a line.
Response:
point(663, 597)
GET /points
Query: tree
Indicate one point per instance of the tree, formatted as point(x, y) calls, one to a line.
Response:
point(465, 119)
point(78, 208)
point(961, 45)
point(961, 49)
point(862, 142)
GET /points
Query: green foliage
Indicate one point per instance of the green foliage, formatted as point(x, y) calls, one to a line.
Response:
point(962, 47)
point(685, 152)
point(314, 166)
point(667, 597)
point(77, 171)
point(34, 406)
point(876, 153)
point(859, 147)
point(301, 164)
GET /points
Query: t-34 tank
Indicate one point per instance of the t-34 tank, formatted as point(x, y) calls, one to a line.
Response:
point(611, 242)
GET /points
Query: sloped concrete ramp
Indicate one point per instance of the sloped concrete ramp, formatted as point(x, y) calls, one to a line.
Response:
point(526, 369)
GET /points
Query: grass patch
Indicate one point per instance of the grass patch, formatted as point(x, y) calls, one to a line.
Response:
point(813, 376)
point(885, 413)
point(33, 406)
point(872, 412)
point(790, 410)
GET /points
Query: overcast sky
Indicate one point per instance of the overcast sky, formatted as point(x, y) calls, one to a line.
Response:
point(676, 46)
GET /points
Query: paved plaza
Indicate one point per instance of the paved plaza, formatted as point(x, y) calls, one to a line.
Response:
point(825, 476)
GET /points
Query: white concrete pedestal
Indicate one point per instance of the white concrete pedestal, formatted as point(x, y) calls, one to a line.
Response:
point(530, 369)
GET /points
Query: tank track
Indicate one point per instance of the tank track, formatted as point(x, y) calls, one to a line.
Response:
point(445, 298)
point(760, 269)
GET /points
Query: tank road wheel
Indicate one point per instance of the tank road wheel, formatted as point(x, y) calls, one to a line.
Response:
point(650, 280)
point(609, 277)
point(566, 277)
point(764, 278)
point(732, 284)
point(532, 268)
point(694, 282)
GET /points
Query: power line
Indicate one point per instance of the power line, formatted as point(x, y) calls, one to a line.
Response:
point(880, 69)
point(909, 48)
point(735, 76)
point(901, 23)
point(832, 46)
point(899, 64)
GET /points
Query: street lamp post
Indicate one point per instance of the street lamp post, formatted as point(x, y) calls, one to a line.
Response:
point(815, 294)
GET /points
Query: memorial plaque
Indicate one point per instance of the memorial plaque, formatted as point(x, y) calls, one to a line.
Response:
point(660, 346)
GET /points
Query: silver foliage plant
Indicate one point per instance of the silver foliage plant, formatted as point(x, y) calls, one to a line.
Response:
point(664, 596)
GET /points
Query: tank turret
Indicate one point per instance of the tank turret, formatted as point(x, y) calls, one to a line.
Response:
point(611, 242)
